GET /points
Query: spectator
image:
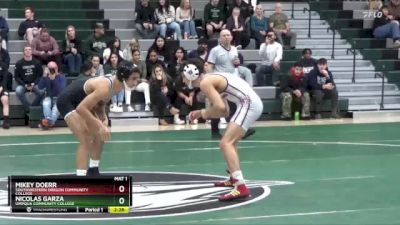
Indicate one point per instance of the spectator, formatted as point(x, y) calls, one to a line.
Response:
point(27, 75)
point(185, 95)
point(110, 69)
point(175, 66)
point(236, 25)
point(145, 22)
point(4, 29)
point(98, 68)
point(202, 42)
point(97, 42)
point(321, 82)
point(136, 60)
point(307, 61)
point(185, 17)
point(165, 14)
point(387, 27)
point(133, 45)
point(114, 47)
point(159, 45)
point(30, 28)
point(394, 9)
point(259, 26)
point(72, 50)
point(152, 62)
point(271, 56)
point(53, 83)
point(45, 48)
point(294, 87)
point(242, 71)
point(279, 22)
point(246, 10)
point(5, 87)
point(142, 86)
point(161, 93)
point(87, 70)
point(214, 17)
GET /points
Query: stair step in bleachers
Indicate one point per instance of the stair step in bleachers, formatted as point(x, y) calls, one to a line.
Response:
point(368, 93)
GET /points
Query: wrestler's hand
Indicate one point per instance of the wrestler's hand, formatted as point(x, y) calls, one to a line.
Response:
point(194, 115)
point(104, 133)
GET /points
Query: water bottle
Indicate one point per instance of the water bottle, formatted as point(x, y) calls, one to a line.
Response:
point(297, 116)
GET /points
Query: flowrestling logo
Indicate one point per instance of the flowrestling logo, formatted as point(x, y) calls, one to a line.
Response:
point(159, 194)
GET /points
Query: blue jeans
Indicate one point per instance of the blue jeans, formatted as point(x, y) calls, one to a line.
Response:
point(390, 30)
point(189, 27)
point(262, 72)
point(174, 26)
point(118, 98)
point(50, 110)
point(74, 62)
point(21, 90)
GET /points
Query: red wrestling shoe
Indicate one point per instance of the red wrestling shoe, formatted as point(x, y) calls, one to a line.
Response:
point(239, 192)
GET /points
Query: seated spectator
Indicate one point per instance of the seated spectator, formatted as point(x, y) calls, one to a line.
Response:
point(142, 86)
point(45, 48)
point(133, 45)
point(115, 46)
point(27, 75)
point(145, 22)
point(214, 17)
point(136, 60)
point(4, 29)
point(152, 62)
point(387, 27)
point(98, 68)
point(175, 66)
point(322, 84)
point(160, 46)
point(202, 42)
point(110, 69)
point(53, 83)
point(236, 24)
point(185, 95)
point(185, 18)
point(307, 61)
point(279, 22)
point(394, 9)
point(87, 70)
point(30, 28)
point(72, 51)
point(161, 93)
point(294, 87)
point(97, 42)
point(259, 25)
point(5, 80)
point(165, 14)
point(246, 9)
point(242, 71)
point(270, 55)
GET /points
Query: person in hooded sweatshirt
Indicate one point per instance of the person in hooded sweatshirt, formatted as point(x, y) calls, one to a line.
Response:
point(307, 61)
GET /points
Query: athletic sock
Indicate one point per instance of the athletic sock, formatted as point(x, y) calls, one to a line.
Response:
point(237, 175)
point(94, 163)
point(81, 172)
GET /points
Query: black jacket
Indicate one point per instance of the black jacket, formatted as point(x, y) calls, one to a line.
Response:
point(317, 79)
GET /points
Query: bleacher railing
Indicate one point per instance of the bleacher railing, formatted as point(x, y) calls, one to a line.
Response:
point(382, 75)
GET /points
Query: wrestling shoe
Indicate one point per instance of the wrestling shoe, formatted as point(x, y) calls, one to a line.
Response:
point(239, 192)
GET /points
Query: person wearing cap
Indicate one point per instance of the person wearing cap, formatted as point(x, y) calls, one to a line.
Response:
point(97, 42)
point(53, 83)
point(202, 42)
point(219, 87)
point(145, 22)
point(82, 104)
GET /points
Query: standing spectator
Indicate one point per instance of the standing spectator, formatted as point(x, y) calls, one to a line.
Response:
point(307, 61)
point(145, 22)
point(236, 25)
point(294, 87)
point(185, 17)
point(271, 56)
point(242, 71)
point(30, 28)
point(4, 29)
point(214, 17)
point(160, 46)
point(45, 48)
point(176, 65)
point(110, 69)
point(53, 83)
point(321, 82)
point(27, 75)
point(136, 60)
point(5, 80)
point(133, 45)
point(98, 68)
point(279, 22)
point(387, 27)
point(161, 93)
point(259, 26)
point(165, 14)
point(97, 42)
point(115, 46)
point(72, 50)
point(152, 61)
point(202, 42)
point(246, 10)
